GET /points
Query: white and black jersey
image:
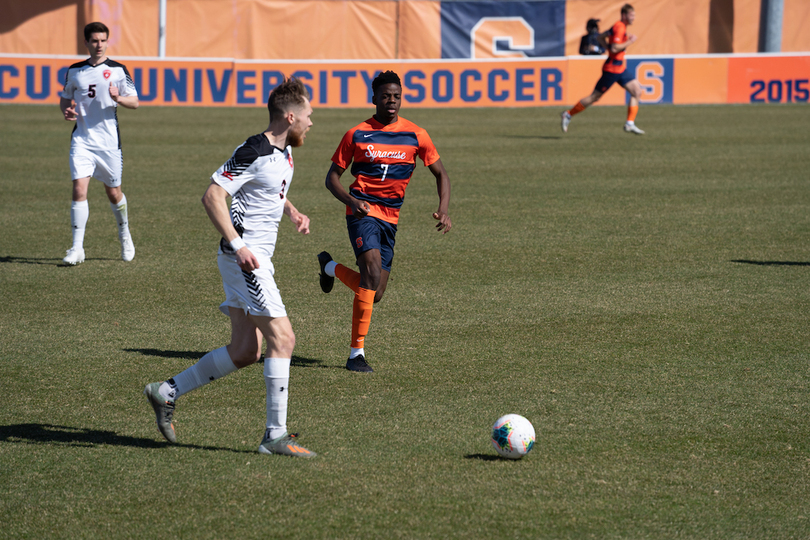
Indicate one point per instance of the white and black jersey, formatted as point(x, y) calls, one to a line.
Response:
point(89, 86)
point(257, 177)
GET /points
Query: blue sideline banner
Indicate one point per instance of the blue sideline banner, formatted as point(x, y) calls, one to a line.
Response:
point(503, 29)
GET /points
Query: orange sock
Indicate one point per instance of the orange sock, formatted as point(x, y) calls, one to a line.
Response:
point(578, 108)
point(348, 277)
point(361, 316)
point(632, 111)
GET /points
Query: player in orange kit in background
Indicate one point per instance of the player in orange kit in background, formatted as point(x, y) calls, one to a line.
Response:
point(382, 153)
point(614, 70)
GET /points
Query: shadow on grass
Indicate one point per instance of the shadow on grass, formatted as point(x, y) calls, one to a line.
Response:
point(484, 457)
point(195, 355)
point(772, 263)
point(297, 361)
point(300, 361)
point(48, 261)
point(32, 260)
point(544, 137)
point(71, 436)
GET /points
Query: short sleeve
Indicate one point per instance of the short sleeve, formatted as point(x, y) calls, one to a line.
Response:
point(344, 154)
point(427, 150)
point(126, 87)
point(67, 90)
point(617, 33)
point(234, 173)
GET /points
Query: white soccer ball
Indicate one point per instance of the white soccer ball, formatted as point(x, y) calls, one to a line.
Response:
point(513, 436)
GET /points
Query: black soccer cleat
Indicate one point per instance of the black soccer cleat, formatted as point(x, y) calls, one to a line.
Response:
point(358, 363)
point(327, 282)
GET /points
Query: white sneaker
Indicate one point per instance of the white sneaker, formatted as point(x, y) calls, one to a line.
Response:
point(565, 119)
point(127, 249)
point(74, 256)
point(631, 128)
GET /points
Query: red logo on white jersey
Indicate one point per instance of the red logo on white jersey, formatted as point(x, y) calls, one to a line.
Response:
point(290, 160)
point(107, 73)
point(228, 175)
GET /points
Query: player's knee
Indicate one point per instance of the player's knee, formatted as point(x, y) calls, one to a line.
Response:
point(289, 341)
point(285, 351)
point(283, 342)
point(378, 295)
point(370, 282)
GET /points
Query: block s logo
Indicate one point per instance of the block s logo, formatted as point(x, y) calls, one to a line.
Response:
point(655, 77)
point(501, 37)
point(358, 242)
point(650, 77)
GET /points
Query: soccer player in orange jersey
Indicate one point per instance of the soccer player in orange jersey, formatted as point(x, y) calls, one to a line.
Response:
point(614, 70)
point(382, 152)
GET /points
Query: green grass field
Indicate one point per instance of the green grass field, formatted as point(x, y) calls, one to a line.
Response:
point(644, 301)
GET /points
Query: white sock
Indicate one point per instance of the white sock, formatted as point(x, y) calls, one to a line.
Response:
point(121, 216)
point(329, 268)
point(277, 380)
point(356, 352)
point(79, 212)
point(212, 366)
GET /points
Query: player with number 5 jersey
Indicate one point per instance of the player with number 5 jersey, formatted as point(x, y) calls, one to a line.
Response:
point(93, 91)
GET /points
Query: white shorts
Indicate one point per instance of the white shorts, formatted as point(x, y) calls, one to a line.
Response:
point(255, 292)
point(104, 165)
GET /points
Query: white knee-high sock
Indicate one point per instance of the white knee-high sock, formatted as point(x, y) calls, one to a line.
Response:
point(79, 212)
point(121, 216)
point(212, 366)
point(277, 380)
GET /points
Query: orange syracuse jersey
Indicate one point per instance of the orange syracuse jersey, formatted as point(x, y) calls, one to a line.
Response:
point(383, 159)
point(615, 62)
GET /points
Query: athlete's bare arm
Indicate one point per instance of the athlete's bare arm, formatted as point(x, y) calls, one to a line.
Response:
point(215, 202)
point(604, 40)
point(619, 47)
point(68, 109)
point(360, 209)
point(130, 102)
point(300, 221)
point(443, 187)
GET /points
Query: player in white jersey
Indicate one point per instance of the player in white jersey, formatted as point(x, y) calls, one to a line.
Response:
point(257, 178)
point(93, 90)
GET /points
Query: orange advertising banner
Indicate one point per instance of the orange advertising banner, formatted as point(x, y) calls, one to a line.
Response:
point(424, 84)
point(364, 29)
point(769, 79)
point(701, 79)
point(431, 83)
point(179, 82)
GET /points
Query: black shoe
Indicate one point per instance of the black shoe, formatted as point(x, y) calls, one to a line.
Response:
point(358, 363)
point(327, 282)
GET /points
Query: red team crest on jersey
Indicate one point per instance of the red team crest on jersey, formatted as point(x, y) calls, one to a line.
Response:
point(290, 160)
point(359, 242)
point(107, 73)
